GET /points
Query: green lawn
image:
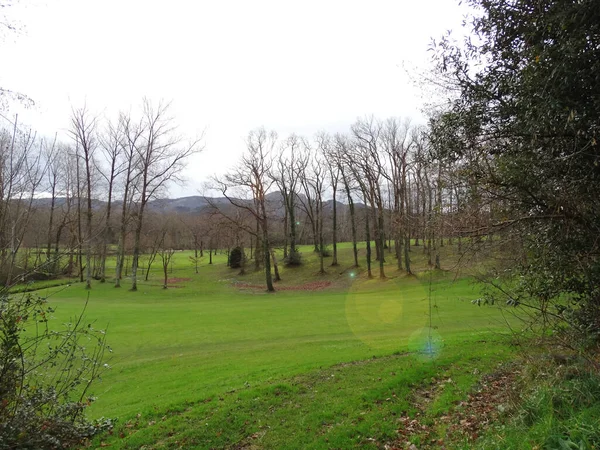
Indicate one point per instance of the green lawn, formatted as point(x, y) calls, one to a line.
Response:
point(207, 336)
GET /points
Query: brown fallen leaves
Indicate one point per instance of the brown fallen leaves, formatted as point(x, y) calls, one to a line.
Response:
point(177, 280)
point(465, 422)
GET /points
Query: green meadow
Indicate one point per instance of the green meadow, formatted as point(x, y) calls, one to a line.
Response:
point(214, 361)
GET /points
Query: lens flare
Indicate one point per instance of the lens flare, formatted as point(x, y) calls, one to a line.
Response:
point(392, 316)
point(426, 344)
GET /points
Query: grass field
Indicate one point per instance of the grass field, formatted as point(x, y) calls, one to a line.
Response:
point(211, 362)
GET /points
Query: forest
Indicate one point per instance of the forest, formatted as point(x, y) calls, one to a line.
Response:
point(100, 196)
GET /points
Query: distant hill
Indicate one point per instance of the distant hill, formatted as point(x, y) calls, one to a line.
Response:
point(196, 204)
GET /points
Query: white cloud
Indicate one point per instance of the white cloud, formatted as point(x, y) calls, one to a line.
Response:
point(228, 66)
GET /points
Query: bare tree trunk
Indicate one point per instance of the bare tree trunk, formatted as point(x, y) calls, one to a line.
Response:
point(315, 234)
point(83, 129)
point(136, 248)
point(51, 222)
point(165, 267)
point(79, 233)
point(285, 234)
point(378, 250)
point(107, 232)
point(121, 249)
point(293, 224)
point(123, 228)
point(416, 212)
point(439, 218)
point(407, 255)
point(440, 209)
point(352, 219)
point(381, 245)
point(398, 251)
point(73, 246)
point(88, 232)
point(267, 258)
point(166, 255)
point(275, 265)
point(55, 261)
point(406, 227)
point(151, 259)
point(368, 238)
point(259, 244)
point(451, 214)
point(321, 240)
point(334, 262)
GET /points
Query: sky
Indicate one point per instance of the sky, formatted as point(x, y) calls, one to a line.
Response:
point(226, 66)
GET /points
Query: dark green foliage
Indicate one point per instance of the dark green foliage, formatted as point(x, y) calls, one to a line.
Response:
point(294, 258)
point(524, 129)
point(326, 252)
point(45, 375)
point(236, 258)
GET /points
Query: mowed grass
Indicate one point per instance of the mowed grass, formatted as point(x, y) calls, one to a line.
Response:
point(353, 405)
point(207, 335)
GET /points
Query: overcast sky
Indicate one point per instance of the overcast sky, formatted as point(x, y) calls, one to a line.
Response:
point(227, 66)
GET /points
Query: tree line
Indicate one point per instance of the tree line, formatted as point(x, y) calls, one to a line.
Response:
point(379, 183)
point(49, 193)
point(385, 174)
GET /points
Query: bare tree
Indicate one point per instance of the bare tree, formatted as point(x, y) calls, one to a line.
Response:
point(54, 173)
point(288, 165)
point(313, 184)
point(153, 242)
point(196, 229)
point(131, 139)
point(160, 158)
point(83, 131)
point(396, 145)
point(22, 171)
point(340, 152)
point(246, 187)
point(326, 147)
point(368, 170)
point(166, 256)
point(111, 145)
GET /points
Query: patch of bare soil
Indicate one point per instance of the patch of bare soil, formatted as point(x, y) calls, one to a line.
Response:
point(177, 280)
point(466, 421)
point(311, 286)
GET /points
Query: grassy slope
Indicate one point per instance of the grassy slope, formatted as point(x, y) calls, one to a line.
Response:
point(207, 337)
point(349, 405)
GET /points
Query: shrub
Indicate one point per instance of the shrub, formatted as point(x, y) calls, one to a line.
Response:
point(326, 252)
point(294, 258)
point(236, 258)
point(45, 376)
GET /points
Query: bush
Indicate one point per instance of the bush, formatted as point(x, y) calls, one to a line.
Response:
point(45, 376)
point(326, 252)
point(294, 258)
point(236, 258)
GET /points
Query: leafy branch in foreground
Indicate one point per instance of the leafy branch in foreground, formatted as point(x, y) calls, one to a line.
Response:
point(524, 130)
point(45, 375)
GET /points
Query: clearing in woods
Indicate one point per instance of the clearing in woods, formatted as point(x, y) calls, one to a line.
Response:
point(335, 360)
